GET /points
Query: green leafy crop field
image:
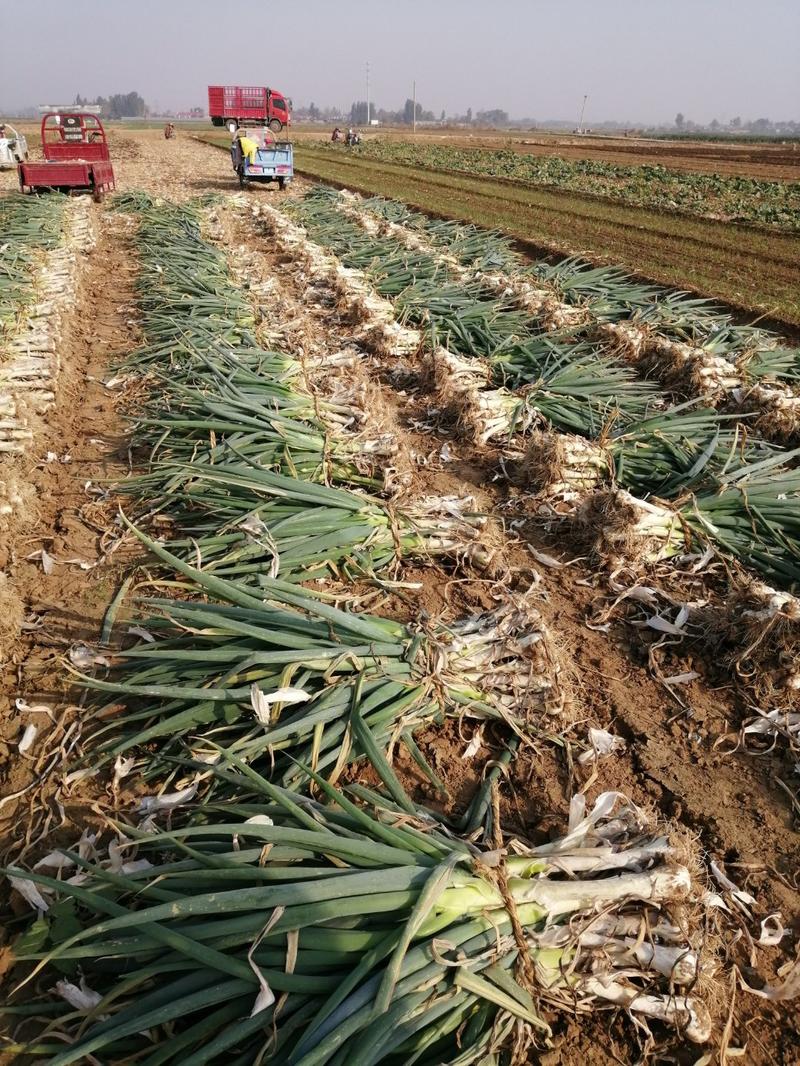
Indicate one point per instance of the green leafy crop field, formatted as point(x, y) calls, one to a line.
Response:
point(729, 198)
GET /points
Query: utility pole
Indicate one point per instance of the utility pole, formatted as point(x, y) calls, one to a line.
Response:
point(583, 109)
point(415, 105)
point(368, 92)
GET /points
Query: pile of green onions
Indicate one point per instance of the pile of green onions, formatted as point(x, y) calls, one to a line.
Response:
point(277, 669)
point(28, 225)
point(310, 933)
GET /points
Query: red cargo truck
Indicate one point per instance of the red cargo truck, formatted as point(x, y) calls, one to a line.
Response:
point(240, 105)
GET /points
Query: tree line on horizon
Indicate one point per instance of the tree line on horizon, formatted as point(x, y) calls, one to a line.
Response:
point(133, 105)
point(119, 105)
point(758, 126)
point(357, 115)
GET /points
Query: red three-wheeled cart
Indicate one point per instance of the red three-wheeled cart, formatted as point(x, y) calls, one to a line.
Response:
point(76, 157)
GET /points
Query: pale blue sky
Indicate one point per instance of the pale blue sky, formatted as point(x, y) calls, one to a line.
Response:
point(639, 60)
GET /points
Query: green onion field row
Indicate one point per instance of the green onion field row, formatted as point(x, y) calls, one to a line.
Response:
point(41, 243)
point(729, 487)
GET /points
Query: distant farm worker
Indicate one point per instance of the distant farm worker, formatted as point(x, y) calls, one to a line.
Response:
point(336, 135)
point(349, 138)
point(169, 131)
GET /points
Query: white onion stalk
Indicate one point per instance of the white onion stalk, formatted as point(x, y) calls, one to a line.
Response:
point(525, 296)
point(677, 963)
point(778, 408)
point(712, 375)
point(455, 376)
point(559, 464)
point(628, 341)
point(681, 1012)
point(345, 359)
point(505, 653)
point(29, 357)
point(630, 925)
point(536, 897)
point(624, 527)
point(498, 414)
point(446, 525)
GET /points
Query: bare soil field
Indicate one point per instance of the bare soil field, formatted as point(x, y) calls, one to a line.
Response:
point(679, 759)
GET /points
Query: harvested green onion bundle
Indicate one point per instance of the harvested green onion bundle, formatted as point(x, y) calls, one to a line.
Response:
point(28, 225)
point(309, 934)
point(460, 317)
point(668, 454)
point(770, 364)
point(185, 290)
point(751, 512)
point(585, 396)
point(265, 422)
point(277, 670)
point(246, 522)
